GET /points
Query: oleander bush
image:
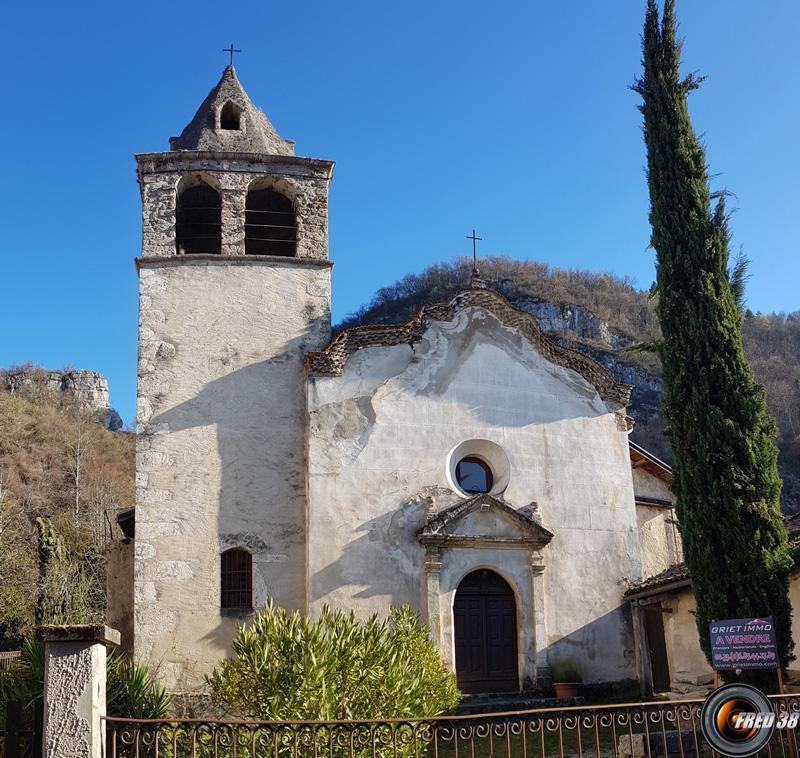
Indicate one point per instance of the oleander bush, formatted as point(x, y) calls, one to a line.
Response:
point(287, 666)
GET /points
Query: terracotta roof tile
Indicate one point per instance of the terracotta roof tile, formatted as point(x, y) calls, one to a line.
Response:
point(675, 573)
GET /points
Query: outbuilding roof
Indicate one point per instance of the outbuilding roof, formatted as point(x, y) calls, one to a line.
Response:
point(644, 459)
point(674, 577)
point(677, 576)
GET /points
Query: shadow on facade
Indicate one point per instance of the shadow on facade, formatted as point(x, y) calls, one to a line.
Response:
point(251, 493)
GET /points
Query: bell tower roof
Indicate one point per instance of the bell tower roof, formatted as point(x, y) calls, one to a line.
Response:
point(227, 121)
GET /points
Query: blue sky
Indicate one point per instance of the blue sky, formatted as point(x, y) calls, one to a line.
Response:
point(514, 118)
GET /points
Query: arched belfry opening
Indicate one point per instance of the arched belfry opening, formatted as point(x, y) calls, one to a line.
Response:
point(270, 223)
point(198, 218)
point(485, 625)
point(230, 117)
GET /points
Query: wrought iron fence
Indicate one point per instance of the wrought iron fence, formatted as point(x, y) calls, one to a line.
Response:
point(650, 730)
point(7, 657)
point(18, 740)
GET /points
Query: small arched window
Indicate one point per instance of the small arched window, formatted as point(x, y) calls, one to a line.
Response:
point(198, 220)
point(270, 224)
point(230, 117)
point(237, 580)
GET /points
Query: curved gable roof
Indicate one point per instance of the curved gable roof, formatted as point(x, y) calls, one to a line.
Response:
point(331, 361)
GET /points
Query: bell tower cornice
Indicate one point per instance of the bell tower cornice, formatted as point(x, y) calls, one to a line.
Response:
point(228, 161)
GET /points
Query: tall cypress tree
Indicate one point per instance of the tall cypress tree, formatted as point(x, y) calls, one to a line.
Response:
point(725, 474)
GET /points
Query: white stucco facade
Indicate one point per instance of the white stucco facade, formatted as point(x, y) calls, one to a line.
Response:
point(379, 441)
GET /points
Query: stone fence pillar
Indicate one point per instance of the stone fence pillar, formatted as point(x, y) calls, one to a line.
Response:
point(75, 690)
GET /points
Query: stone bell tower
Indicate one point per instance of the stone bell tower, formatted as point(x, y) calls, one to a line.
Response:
point(234, 290)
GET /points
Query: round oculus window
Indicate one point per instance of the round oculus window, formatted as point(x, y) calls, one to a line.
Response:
point(477, 466)
point(474, 475)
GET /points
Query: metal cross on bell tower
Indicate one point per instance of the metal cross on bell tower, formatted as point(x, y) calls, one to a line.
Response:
point(231, 50)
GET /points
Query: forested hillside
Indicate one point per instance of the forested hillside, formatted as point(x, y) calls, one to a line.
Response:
point(604, 316)
point(59, 462)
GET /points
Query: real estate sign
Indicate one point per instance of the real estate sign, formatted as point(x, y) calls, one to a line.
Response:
point(743, 644)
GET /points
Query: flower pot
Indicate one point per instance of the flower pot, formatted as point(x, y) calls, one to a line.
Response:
point(566, 689)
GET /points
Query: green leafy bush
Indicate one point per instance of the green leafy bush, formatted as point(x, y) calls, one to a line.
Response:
point(288, 666)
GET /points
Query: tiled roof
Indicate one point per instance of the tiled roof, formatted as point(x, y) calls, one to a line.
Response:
point(654, 501)
point(676, 573)
point(641, 458)
point(331, 360)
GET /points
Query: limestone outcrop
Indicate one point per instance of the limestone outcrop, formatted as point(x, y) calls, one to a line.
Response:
point(89, 387)
point(568, 317)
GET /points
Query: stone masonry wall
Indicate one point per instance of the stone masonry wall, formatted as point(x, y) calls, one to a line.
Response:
point(658, 527)
point(220, 448)
point(303, 180)
point(659, 539)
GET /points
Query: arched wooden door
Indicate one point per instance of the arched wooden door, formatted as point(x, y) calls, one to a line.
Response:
point(485, 619)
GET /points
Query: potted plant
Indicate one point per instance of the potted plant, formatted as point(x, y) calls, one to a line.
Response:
point(566, 678)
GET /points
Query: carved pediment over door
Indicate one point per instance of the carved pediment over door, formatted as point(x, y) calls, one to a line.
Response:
point(483, 520)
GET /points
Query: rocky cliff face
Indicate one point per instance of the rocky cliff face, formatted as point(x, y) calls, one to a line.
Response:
point(574, 319)
point(89, 387)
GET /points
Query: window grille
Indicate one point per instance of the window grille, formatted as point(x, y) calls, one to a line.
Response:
point(237, 579)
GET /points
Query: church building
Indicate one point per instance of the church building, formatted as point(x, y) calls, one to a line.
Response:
point(462, 462)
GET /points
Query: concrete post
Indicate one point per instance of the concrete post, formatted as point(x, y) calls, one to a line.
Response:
point(75, 690)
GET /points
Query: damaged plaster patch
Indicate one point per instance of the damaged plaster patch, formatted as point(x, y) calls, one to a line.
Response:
point(432, 499)
point(172, 570)
point(357, 416)
point(350, 422)
point(166, 350)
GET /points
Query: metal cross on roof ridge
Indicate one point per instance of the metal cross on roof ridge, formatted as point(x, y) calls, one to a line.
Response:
point(474, 250)
point(231, 50)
